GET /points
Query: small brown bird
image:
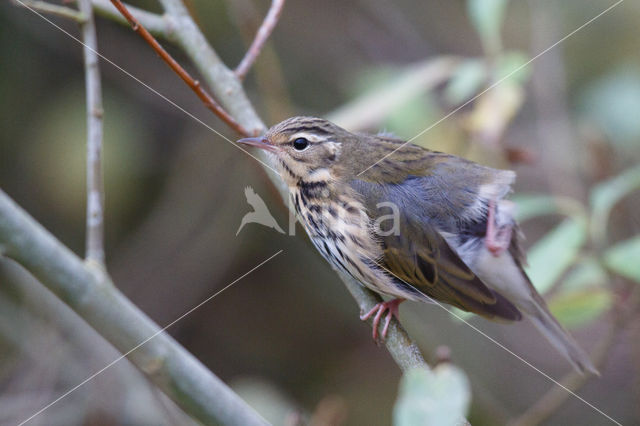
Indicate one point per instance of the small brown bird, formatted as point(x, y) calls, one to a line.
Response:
point(411, 223)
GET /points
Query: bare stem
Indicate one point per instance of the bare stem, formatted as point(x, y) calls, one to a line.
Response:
point(195, 85)
point(402, 348)
point(91, 294)
point(265, 30)
point(157, 25)
point(52, 9)
point(95, 185)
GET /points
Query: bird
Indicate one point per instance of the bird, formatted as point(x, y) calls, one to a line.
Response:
point(260, 213)
point(411, 223)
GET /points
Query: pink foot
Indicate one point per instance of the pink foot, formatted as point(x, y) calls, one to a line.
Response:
point(496, 240)
point(392, 311)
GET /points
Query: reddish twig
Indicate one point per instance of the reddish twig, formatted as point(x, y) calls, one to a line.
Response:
point(262, 35)
point(208, 101)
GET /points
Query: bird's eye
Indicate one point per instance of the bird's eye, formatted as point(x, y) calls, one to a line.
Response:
point(300, 144)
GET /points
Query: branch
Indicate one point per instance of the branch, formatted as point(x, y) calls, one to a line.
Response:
point(52, 9)
point(221, 80)
point(39, 311)
point(229, 91)
point(157, 25)
point(95, 185)
point(404, 351)
point(208, 101)
point(90, 293)
point(262, 35)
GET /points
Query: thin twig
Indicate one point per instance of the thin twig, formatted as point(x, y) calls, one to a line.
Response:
point(95, 185)
point(551, 401)
point(52, 9)
point(158, 25)
point(262, 35)
point(402, 348)
point(208, 101)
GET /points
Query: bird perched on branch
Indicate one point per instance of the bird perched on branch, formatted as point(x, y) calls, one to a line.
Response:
point(411, 223)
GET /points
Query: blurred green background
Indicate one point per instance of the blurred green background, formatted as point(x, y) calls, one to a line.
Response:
point(288, 335)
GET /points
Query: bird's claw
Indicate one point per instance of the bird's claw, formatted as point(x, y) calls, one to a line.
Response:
point(391, 307)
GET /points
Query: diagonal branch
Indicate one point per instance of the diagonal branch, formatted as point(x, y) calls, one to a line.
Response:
point(52, 9)
point(95, 185)
point(157, 25)
point(208, 101)
point(265, 30)
point(91, 293)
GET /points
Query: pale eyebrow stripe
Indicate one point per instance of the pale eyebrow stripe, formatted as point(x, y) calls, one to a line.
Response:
point(308, 136)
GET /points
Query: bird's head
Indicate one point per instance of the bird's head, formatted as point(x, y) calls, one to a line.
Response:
point(303, 146)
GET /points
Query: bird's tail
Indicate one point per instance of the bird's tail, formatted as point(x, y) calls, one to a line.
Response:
point(559, 337)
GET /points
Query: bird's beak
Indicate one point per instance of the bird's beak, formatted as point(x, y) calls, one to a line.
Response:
point(259, 142)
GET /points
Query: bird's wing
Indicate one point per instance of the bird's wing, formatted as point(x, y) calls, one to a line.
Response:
point(421, 258)
point(418, 254)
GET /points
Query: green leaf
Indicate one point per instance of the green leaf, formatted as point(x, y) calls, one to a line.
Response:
point(411, 117)
point(533, 205)
point(383, 93)
point(459, 315)
point(432, 398)
point(575, 308)
point(624, 258)
point(605, 195)
point(587, 273)
point(511, 65)
point(583, 295)
point(466, 81)
point(554, 253)
point(487, 17)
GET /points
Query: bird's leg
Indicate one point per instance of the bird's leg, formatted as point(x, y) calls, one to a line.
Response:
point(391, 307)
point(497, 240)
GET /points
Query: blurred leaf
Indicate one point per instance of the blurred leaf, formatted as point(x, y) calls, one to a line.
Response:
point(624, 258)
point(613, 103)
point(440, 397)
point(487, 17)
point(587, 273)
point(369, 109)
point(494, 110)
point(534, 205)
point(459, 315)
point(265, 398)
point(582, 296)
point(606, 194)
point(575, 308)
point(412, 117)
point(466, 81)
point(512, 64)
point(554, 253)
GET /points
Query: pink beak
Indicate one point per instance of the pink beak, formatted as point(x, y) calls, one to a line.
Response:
point(259, 142)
